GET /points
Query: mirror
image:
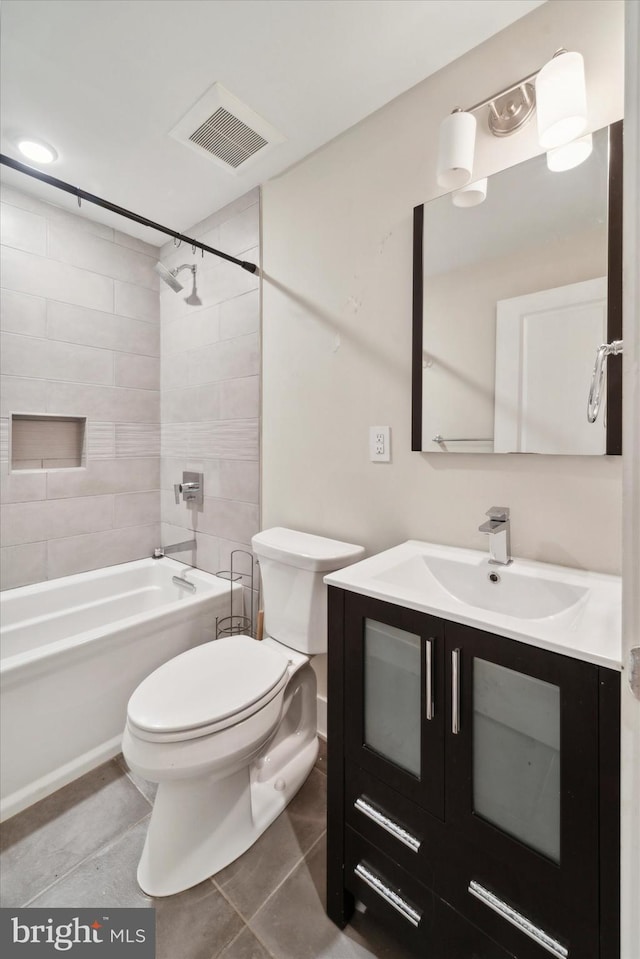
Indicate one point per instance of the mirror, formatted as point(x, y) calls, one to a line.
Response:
point(511, 299)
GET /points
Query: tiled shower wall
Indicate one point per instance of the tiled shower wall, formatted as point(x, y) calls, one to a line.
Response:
point(211, 390)
point(80, 337)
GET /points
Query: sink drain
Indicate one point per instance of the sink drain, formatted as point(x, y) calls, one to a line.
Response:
point(493, 577)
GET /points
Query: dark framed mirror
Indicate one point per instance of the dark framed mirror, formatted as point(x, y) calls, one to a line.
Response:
point(511, 300)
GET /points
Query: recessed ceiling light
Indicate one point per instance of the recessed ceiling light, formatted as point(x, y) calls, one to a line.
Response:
point(38, 151)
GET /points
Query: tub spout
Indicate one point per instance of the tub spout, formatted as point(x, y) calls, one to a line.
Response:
point(161, 551)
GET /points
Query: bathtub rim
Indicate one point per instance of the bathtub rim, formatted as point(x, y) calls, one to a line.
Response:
point(190, 605)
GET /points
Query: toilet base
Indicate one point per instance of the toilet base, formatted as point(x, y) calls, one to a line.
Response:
point(200, 826)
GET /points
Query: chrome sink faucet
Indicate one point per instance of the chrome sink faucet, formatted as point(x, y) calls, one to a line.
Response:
point(498, 528)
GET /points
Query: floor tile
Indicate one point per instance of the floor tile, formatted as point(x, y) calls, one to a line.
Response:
point(278, 850)
point(321, 761)
point(293, 924)
point(53, 836)
point(196, 924)
point(245, 946)
point(81, 847)
point(106, 879)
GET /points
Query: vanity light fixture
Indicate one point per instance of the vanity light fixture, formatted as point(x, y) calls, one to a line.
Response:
point(471, 195)
point(562, 100)
point(570, 155)
point(37, 150)
point(456, 146)
point(556, 91)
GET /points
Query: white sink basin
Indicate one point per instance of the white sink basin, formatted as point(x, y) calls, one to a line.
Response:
point(570, 611)
point(474, 582)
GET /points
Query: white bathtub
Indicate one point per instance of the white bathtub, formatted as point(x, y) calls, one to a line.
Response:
point(72, 652)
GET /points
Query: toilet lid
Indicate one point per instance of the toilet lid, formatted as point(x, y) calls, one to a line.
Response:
point(207, 685)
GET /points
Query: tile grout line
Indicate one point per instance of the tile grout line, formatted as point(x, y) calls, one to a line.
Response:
point(274, 890)
point(311, 848)
point(245, 928)
point(86, 859)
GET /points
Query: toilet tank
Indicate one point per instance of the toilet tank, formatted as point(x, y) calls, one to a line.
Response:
point(292, 566)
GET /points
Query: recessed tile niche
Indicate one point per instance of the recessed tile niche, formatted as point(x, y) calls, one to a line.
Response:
point(45, 441)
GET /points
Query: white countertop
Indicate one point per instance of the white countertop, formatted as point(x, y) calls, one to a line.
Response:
point(573, 612)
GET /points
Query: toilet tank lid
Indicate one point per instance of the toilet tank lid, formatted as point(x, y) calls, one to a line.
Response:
point(305, 550)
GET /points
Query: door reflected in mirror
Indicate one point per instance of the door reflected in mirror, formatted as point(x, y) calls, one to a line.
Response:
point(512, 298)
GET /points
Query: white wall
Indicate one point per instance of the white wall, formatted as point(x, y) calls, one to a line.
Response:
point(337, 257)
point(80, 338)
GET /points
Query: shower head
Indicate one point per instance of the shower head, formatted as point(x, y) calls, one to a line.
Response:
point(169, 277)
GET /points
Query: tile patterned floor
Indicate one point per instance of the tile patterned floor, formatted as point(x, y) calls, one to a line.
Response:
point(80, 848)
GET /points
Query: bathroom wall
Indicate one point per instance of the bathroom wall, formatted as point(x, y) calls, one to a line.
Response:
point(211, 391)
point(337, 258)
point(81, 338)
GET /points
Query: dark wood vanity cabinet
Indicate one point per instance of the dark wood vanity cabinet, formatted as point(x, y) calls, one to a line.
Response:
point(473, 787)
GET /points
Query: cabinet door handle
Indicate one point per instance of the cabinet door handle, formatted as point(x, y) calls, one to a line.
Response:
point(455, 691)
point(406, 910)
point(381, 819)
point(518, 920)
point(428, 679)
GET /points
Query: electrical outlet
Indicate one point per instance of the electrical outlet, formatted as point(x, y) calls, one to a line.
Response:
point(380, 444)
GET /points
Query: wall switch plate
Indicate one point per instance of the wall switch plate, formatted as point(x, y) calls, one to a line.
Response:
point(380, 444)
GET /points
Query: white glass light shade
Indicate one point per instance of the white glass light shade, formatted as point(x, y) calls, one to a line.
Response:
point(37, 150)
point(570, 155)
point(456, 146)
point(561, 100)
point(471, 195)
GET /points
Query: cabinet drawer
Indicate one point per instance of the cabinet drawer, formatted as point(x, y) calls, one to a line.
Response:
point(398, 827)
point(463, 940)
point(494, 897)
point(403, 903)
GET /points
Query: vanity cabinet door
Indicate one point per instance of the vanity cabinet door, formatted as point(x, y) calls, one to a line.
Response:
point(394, 697)
point(522, 786)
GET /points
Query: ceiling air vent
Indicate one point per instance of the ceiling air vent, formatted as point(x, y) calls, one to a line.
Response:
point(226, 130)
point(228, 138)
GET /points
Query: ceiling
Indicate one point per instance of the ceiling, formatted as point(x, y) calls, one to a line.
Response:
point(104, 81)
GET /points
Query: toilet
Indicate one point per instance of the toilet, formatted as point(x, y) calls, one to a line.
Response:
point(228, 729)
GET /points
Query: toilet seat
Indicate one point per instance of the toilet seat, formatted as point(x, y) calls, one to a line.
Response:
point(207, 689)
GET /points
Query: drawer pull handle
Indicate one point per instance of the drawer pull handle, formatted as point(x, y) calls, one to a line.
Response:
point(428, 692)
point(455, 691)
point(518, 920)
point(382, 820)
point(406, 910)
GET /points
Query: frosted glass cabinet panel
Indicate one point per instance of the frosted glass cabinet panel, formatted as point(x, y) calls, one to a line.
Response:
point(516, 755)
point(395, 685)
point(392, 692)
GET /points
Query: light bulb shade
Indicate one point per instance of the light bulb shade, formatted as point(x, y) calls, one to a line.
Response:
point(570, 155)
point(456, 146)
point(470, 195)
point(37, 150)
point(561, 100)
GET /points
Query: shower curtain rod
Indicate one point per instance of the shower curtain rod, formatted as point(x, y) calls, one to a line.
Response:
point(105, 204)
